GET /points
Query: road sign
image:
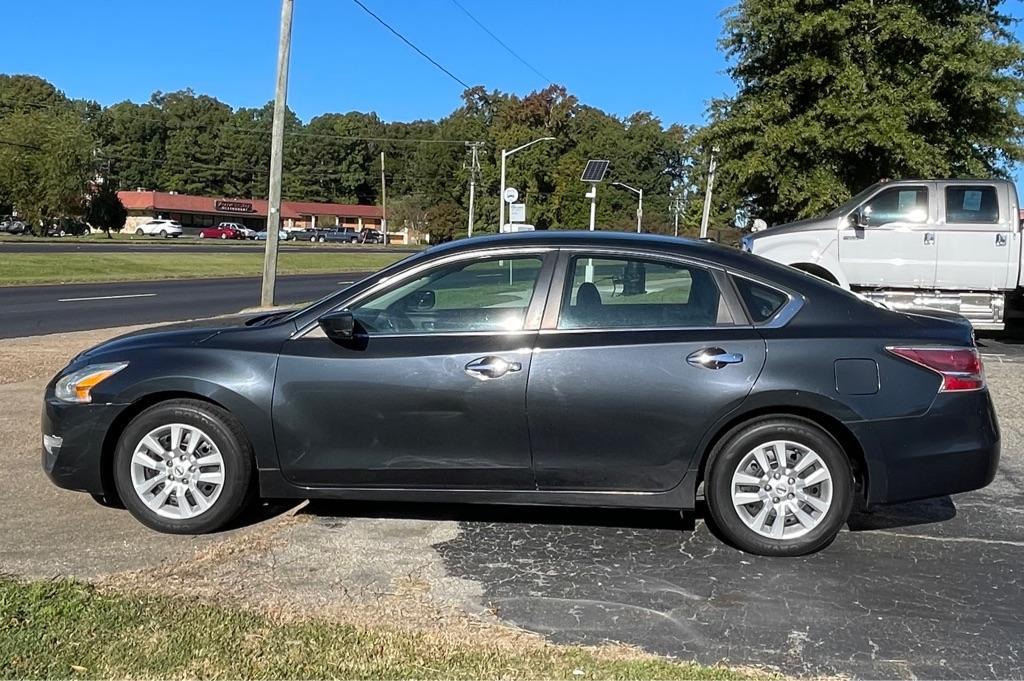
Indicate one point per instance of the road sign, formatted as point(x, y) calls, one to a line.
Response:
point(517, 212)
point(511, 194)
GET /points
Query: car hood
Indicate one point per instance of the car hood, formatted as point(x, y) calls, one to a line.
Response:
point(179, 335)
point(808, 225)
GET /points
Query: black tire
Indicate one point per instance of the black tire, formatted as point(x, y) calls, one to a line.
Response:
point(226, 433)
point(163, 233)
point(201, 235)
point(140, 232)
point(731, 451)
point(223, 235)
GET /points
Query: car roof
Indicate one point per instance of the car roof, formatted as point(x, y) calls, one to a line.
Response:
point(709, 252)
point(582, 239)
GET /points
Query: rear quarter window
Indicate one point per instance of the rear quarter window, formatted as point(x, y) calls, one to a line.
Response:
point(762, 302)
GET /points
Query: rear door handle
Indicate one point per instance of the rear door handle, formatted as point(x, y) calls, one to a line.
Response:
point(486, 368)
point(713, 358)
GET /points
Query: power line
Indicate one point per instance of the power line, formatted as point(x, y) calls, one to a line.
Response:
point(501, 42)
point(409, 43)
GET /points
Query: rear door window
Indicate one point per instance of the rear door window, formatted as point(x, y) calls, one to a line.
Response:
point(972, 204)
point(635, 293)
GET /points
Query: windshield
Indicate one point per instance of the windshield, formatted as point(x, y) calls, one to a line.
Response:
point(853, 202)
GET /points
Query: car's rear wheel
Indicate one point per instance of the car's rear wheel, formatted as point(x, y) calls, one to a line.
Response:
point(322, 239)
point(223, 235)
point(201, 235)
point(184, 467)
point(163, 233)
point(779, 486)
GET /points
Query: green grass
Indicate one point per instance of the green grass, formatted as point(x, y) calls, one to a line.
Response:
point(60, 268)
point(66, 629)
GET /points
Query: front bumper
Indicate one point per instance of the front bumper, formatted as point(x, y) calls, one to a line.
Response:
point(952, 448)
point(73, 441)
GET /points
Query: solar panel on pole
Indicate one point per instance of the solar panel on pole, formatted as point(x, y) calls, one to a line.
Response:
point(595, 171)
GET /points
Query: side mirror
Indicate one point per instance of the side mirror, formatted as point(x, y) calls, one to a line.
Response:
point(857, 220)
point(422, 301)
point(338, 326)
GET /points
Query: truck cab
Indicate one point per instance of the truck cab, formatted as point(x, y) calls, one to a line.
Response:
point(947, 244)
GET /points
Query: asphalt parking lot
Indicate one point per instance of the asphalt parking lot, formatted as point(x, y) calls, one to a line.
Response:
point(930, 589)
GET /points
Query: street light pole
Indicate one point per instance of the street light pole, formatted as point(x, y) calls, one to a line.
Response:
point(276, 155)
point(639, 207)
point(504, 156)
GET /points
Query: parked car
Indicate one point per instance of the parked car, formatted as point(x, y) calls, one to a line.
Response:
point(650, 367)
point(911, 244)
point(282, 235)
point(12, 225)
point(225, 230)
point(245, 232)
point(371, 236)
point(67, 227)
point(159, 227)
point(347, 235)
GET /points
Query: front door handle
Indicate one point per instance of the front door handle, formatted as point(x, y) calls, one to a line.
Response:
point(929, 238)
point(486, 368)
point(713, 358)
point(1001, 239)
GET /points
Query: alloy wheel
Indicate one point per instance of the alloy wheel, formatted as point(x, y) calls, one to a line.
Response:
point(177, 471)
point(782, 489)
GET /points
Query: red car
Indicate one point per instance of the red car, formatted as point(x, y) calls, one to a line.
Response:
point(224, 230)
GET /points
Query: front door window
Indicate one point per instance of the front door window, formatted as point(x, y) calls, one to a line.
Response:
point(471, 296)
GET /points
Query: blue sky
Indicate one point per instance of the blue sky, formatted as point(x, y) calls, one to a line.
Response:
point(652, 55)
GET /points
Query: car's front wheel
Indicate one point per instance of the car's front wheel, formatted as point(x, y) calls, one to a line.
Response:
point(779, 486)
point(184, 467)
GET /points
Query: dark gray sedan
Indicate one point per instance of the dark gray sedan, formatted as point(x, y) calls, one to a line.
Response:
point(582, 369)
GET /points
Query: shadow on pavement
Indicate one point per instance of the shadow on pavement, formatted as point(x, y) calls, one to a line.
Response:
point(884, 517)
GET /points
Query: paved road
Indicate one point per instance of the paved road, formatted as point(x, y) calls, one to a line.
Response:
point(36, 310)
point(176, 246)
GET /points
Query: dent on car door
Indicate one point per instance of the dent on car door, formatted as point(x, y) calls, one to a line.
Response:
point(637, 357)
point(431, 391)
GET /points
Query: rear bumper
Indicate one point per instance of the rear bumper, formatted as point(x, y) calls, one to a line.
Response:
point(73, 436)
point(952, 448)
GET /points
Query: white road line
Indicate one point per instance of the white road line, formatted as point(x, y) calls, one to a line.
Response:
point(127, 295)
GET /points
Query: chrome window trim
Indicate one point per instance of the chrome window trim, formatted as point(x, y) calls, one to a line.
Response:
point(556, 292)
point(401, 277)
point(784, 315)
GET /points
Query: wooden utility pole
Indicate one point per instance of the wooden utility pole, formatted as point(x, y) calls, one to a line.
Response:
point(276, 156)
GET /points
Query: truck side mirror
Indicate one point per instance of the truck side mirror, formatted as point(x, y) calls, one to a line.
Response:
point(857, 220)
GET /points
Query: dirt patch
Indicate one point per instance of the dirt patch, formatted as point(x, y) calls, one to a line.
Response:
point(31, 357)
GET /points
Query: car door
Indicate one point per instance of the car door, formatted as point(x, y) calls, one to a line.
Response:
point(431, 392)
point(638, 355)
point(889, 241)
point(976, 238)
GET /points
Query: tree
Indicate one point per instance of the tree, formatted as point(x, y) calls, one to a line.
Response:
point(836, 94)
point(105, 209)
point(45, 164)
point(443, 221)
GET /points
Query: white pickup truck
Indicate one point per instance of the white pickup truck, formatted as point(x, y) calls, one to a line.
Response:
point(948, 244)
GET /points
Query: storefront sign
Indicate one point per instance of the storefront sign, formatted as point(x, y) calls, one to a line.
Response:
point(233, 206)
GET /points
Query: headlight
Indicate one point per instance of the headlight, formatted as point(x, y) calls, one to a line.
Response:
point(76, 386)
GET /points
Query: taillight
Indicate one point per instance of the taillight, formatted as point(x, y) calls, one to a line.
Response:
point(960, 368)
